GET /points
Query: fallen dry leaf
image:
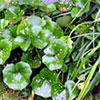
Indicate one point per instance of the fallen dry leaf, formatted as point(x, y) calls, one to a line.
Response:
point(31, 96)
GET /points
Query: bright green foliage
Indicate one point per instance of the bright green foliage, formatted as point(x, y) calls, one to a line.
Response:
point(14, 14)
point(35, 20)
point(72, 89)
point(51, 7)
point(23, 28)
point(5, 49)
point(3, 23)
point(68, 42)
point(47, 84)
point(58, 92)
point(53, 63)
point(56, 47)
point(54, 28)
point(34, 63)
point(75, 12)
point(47, 49)
point(41, 83)
point(3, 2)
point(17, 76)
point(56, 52)
point(36, 30)
point(23, 42)
point(80, 3)
point(82, 6)
point(41, 39)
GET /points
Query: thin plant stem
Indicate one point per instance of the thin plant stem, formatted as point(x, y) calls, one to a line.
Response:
point(87, 82)
point(85, 59)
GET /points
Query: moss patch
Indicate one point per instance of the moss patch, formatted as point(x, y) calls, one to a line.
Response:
point(6, 94)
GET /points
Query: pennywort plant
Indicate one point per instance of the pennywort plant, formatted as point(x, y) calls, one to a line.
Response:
point(49, 49)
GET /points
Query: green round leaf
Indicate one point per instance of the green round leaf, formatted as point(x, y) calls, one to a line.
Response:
point(51, 76)
point(3, 24)
point(23, 42)
point(64, 21)
point(58, 92)
point(44, 90)
point(41, 39)
point(72, 89)
point(35, 20)
point(61, 96)
point(24, 28)
point(56, 47)
point(41, 83)
point(7, 35)
point(17, 77)
point(34, 63)
point(69, 43)
point(5, 49)
point(14, 14)
point(54, 28)
point(75, 12)
point(35, 30)
point(51, 7)
point(53, 63)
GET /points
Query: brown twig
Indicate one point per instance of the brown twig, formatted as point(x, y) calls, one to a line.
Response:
point(62, 77)
point(31, 96)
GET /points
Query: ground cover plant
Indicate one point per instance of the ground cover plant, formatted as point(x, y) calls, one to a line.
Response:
point(49, 50)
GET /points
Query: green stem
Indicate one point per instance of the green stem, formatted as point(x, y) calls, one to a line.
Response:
point(84, 61)
point(89, 22)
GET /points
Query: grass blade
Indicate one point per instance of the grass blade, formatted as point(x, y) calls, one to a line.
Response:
point(88, 79)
